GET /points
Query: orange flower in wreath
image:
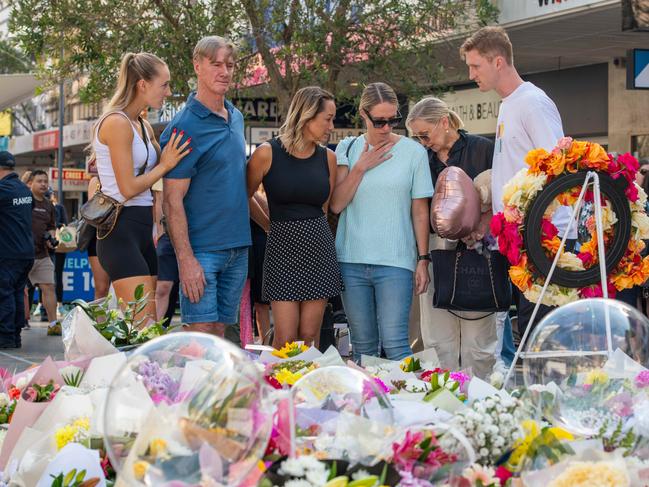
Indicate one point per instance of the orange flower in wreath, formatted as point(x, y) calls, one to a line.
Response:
point(596, 158)
point(520, 274)
point(555, 163)
point(551, 245)
point(536, 160)
point(576, 152)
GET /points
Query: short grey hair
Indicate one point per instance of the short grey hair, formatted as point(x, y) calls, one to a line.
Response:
point(209, 45)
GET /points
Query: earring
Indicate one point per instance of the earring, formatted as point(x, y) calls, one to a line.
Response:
point(447, 131)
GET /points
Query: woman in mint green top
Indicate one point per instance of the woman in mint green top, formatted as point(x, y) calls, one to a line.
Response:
point(383, 185)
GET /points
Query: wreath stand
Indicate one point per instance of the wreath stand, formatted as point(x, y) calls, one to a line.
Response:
point(591, 176)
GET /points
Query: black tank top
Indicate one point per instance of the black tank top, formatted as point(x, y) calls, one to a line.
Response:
point(296, 188)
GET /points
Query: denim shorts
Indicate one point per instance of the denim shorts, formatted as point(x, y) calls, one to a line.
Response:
point(225, 273)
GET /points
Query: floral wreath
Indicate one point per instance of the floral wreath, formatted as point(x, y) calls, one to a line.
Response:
point(569, 157)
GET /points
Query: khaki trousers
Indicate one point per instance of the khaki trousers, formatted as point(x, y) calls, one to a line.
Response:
point(461, 341)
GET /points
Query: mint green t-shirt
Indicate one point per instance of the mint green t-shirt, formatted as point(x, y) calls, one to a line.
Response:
point(376, 227)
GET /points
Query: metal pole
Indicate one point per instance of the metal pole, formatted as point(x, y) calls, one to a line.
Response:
point(59, 158)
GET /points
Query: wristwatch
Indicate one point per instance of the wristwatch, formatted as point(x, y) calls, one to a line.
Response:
point(423, 257)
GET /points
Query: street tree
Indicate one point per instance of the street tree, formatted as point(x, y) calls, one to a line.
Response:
point(286, 44)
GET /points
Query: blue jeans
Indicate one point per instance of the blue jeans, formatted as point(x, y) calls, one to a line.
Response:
point(225, 273)
point(377, 301)
point(508, 351)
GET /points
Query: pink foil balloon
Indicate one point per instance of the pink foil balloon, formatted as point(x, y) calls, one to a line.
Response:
point(455, 209)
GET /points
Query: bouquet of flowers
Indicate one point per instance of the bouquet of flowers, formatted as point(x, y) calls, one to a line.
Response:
point(124, 328)
point(492, 425)
point(287, 373)
point(439, 379)
point(290, 350)
point(41, 392)
point(308, 471)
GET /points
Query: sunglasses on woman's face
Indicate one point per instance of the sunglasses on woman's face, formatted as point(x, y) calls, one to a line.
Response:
point(421, 138)
point(379, 123)
point(644, 170)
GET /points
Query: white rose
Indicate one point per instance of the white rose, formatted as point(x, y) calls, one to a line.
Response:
point(4, 399)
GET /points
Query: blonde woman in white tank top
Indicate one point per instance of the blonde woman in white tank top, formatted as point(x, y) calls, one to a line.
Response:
point(129, 162)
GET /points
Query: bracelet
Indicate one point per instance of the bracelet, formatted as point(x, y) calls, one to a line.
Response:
point(423, 257)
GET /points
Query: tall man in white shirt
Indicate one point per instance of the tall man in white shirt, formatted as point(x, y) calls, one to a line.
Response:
point(527, 119)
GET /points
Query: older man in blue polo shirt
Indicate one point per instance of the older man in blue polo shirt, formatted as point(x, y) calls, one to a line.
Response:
point(205, 199)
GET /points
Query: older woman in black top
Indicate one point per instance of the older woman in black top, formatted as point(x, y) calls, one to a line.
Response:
point(298, 173)
point(468, 338)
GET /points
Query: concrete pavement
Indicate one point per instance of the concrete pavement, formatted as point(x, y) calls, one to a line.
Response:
point(36, 347)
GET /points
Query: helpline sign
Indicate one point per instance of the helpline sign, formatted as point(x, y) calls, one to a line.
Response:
point(78, 282)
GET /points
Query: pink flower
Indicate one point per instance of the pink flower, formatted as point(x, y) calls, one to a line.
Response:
point(564, 143)
point(631, 192)
point(642, 379)
point(497, 224)
point(548, 230)
point(460, 377)
point(595, 291)
point(502, 473)
point(368, 390)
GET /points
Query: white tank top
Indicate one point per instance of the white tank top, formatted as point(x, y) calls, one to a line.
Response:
point(105, 166)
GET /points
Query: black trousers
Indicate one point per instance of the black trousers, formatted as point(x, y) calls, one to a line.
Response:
point(59, 264)
point(13, 278)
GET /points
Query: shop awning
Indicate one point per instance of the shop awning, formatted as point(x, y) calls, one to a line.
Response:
point(14, 88)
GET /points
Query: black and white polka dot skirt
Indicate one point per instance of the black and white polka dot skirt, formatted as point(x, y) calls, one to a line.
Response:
point(300, 262)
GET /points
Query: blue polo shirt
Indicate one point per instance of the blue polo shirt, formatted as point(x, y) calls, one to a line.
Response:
point(216, 203)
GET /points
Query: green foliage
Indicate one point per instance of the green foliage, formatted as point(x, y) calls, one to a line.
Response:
point(326, 42)
point(617, 438)
point(72, 479)
point(12, 60)
point(124, 328)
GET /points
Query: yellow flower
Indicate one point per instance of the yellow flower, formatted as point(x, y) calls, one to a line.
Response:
point(597, 376)
point(70, 433)
point(64, 435)
point(285, 376)
point(158, 447)
point(406, 363)
point(290, 350)
point(139, 469)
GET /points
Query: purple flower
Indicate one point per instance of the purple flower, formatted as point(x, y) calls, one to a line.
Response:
point(642, 379)
point(158, 383)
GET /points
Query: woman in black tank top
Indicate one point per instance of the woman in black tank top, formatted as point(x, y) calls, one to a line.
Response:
point(300, 267)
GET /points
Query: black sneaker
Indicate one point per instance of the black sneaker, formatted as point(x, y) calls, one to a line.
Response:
point(27, 326)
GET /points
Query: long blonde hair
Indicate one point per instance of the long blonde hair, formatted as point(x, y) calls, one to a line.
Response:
point(432, 110)
point(133, 68)
point(305, 106)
